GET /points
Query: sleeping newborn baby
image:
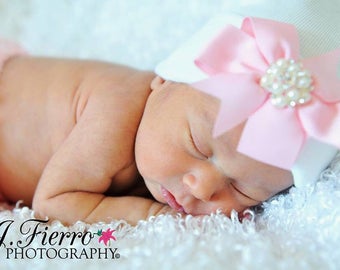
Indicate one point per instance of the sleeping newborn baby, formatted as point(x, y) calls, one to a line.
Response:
point(228, 121)
point(76, 135)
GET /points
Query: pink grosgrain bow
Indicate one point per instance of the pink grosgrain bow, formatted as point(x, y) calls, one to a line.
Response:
point(256, 73)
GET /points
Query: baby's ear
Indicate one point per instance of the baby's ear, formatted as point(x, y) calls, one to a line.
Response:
point(156, 83)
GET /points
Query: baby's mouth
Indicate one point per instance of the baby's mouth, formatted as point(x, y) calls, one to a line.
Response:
point(171, 200)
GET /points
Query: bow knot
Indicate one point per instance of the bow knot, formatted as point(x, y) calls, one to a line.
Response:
point(288, 82)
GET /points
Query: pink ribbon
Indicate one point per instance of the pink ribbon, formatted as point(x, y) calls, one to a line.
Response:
point(237, 59)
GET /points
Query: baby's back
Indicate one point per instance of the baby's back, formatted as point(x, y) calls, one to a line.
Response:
point(36, 114)
point(41, 101)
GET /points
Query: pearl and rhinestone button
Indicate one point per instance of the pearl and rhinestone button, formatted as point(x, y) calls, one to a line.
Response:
point(288, 82)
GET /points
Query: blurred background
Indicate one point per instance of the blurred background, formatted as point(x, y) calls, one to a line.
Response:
point(135, 32)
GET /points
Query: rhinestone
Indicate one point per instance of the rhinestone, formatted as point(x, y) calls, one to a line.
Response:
point(282, 62)
point(293, 68)
point(279, 101)
point(305, 97)
point(288, 82)
point(265, 80)
point(276, 88)
point(293, 94)
point(292, 103)
point(304, 82)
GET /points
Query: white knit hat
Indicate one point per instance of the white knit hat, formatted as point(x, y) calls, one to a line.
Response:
point(318, 25)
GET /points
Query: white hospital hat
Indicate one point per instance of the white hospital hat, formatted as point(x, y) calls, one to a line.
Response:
point(317, 24)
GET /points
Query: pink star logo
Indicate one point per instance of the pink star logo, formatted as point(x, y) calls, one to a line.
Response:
point(106, 236)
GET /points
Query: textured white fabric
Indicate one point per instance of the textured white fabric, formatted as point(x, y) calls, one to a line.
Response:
point(318, 24)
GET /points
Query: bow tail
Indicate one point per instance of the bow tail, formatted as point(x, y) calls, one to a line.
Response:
point(272, 136)
point(322, 122)
point(274, 39)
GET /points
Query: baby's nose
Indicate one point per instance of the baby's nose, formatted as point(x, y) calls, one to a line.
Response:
point(202, 188)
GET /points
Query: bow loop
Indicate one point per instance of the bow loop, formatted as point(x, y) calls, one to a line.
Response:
point(232, 51)
point(275, 40)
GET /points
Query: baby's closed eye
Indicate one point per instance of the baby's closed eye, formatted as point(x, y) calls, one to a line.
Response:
point(195, 147)
point(243, 196)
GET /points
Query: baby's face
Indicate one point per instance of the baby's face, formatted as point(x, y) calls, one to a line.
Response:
point(184, 166)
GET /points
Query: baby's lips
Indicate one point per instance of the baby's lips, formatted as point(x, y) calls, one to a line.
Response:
point(171, 200)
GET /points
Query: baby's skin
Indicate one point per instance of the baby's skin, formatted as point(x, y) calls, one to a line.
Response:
point(79, 137)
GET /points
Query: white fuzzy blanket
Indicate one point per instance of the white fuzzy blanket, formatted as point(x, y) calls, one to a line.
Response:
point(300, 230)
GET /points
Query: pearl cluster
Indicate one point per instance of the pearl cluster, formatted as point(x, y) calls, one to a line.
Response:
point(289, 84)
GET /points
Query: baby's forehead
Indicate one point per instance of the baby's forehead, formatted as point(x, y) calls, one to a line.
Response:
point(203, 107)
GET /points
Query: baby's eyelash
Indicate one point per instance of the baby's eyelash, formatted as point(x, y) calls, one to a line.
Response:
point(242, 193)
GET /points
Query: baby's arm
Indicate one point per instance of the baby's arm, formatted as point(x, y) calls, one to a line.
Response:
point(99, 148)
